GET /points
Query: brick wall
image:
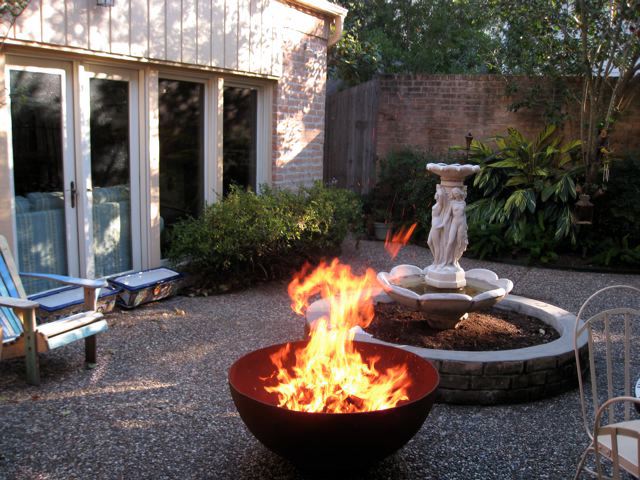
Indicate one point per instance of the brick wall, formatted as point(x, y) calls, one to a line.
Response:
point(299, 101)
point(434, 112)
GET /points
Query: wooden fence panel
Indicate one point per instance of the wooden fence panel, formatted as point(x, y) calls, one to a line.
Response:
point(350, 137)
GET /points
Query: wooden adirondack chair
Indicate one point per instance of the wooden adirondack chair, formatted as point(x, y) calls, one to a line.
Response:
point(20, 334)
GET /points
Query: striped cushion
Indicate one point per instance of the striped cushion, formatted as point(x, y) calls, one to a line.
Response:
point(112, 238)
point(22, 204)
point(41, 247)
point(46, 200)
point(117, 193)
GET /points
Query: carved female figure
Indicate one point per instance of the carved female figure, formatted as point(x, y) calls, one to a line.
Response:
point(437, 235)
point(457, 239)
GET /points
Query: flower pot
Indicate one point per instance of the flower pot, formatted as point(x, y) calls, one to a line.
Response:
point(380, 230)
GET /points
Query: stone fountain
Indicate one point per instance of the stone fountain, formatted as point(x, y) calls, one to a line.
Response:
point(443, 290)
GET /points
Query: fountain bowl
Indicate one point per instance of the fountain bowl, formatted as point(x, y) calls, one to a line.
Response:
point(444, 308)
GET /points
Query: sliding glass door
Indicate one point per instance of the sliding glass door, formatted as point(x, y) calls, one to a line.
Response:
point(43, 171)
point(110, 170)
point(75, 171)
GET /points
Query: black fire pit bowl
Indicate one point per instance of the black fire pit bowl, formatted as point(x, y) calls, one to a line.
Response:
point(332, 440)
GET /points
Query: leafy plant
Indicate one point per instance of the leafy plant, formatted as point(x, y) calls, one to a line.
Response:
point(247, 237)
point(528, 187)
point(618, 253)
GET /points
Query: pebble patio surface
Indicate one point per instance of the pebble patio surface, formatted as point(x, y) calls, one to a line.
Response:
point(158, 404)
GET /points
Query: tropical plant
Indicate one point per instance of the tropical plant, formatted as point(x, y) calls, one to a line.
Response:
point(527, 187)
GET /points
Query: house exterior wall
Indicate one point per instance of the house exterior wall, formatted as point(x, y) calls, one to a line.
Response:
point(276, 47)
point(257, 38)
point(434, 112)
point(299, 105)
point(238, 35)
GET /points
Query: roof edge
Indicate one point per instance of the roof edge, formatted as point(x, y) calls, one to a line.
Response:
point(322, 6)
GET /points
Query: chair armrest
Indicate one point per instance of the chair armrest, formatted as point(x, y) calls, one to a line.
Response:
point(608, 404)
point(79, 282)
point(18, 303)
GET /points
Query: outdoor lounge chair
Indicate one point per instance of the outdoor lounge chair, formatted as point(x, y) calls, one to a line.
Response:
point(614, 351)
point(20, 334)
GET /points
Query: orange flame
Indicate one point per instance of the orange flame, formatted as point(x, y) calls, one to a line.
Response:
point(393, 244)
point(328, 374)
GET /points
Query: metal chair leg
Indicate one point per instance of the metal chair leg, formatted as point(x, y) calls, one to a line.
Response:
point(581, 463)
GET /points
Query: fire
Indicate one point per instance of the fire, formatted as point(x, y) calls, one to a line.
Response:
point(328, 374)
point(394, 243)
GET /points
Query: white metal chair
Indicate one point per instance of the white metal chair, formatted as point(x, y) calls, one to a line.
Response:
point(614, 364)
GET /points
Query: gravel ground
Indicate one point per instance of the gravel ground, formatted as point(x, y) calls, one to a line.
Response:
point(158, 405)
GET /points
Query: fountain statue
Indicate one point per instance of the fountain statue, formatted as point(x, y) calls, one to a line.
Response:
point(443, 290)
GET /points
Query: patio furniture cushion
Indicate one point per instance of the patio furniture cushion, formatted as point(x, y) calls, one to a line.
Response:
point(112, 237)
point(46, 200)
point(41, 245)
point(117, 193)
point(22, 204)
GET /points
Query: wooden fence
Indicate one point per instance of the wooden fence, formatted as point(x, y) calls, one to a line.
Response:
point(350, 137)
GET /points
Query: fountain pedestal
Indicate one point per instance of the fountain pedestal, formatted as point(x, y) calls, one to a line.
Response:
point(448, 236)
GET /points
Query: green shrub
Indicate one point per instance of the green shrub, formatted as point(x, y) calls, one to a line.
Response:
point(248, 237)
point(404, 191)
point(528, 188)
point(614, 237)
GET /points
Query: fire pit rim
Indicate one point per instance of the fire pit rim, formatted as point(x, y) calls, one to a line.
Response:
point(407, 403)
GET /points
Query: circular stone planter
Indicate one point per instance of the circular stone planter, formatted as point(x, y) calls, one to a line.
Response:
point(504, 376)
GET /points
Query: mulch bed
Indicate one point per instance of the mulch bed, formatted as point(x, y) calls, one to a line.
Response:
point(489, 330)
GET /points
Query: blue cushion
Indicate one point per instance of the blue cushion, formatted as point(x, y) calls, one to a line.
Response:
point(22, 204)
point(117, 193)
point(46, 200)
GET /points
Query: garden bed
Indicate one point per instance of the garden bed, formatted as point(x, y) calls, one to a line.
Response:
point(481, 331)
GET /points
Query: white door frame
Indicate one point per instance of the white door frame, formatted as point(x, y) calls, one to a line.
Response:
point(85, 73)
point(263, 127)
point(62, 68)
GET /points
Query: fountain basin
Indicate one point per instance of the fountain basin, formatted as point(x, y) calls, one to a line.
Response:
point(445, 307)
point(332, 440)
point(497, 377)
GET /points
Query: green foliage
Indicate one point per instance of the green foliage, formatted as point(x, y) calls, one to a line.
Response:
point(616, 210)
point(528, 188)
point(614, 237)
point(248, 237)
point(595, 43)
point(618, 253)
point(400, 36)
point(11, 9)
point(404, 191)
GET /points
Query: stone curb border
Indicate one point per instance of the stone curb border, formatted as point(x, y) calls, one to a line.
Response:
point(495, 377)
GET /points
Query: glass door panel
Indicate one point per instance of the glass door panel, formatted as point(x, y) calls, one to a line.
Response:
point(109, 127)
point(181, 109)
point(239, 137)
point(37, 122)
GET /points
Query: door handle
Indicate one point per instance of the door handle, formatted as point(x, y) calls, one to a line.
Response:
point(74, 192)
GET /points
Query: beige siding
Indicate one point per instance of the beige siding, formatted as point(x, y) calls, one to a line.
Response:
point(239, 35)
